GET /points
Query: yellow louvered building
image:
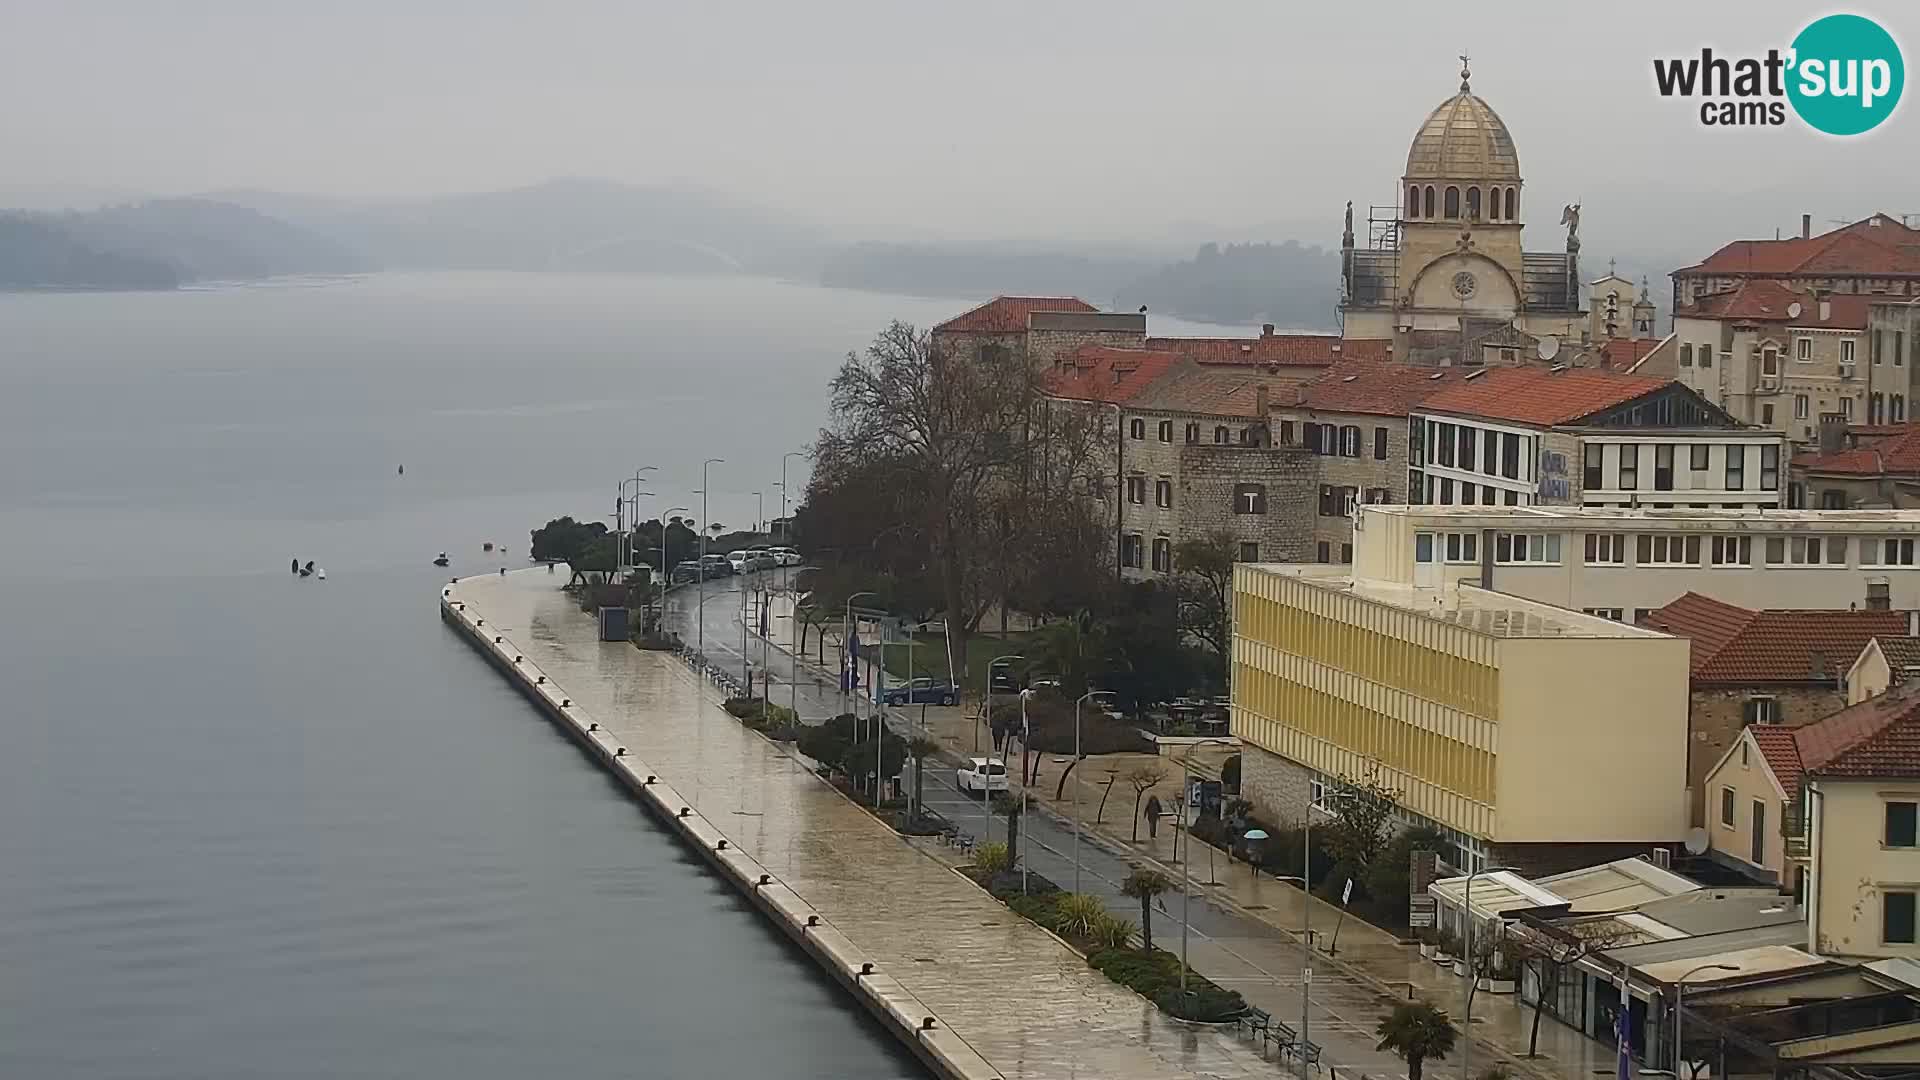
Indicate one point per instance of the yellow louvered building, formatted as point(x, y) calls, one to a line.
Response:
point(1501, 720)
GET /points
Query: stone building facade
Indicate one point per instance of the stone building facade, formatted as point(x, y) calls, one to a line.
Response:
point(1254, 494)
point(1872, 256)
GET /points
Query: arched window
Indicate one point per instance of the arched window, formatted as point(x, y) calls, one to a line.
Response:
point(1494, 212)
point(1427, 211)
point(1452, 206)
point(1473, 204)
point(1513, 205)
point(1413, 200)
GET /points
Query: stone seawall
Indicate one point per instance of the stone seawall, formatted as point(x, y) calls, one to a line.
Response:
point(941, 1048)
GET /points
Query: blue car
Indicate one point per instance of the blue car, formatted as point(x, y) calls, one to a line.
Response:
point(921, 691)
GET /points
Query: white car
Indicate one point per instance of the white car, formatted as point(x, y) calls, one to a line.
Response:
point(737, 560)
point(982, 776)
point(786, 556)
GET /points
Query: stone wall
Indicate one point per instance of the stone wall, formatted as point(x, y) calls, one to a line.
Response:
point(1362, 473)
point(1045, 348)
point(1256, 494)
point(1716, 718)
point(1277, 788)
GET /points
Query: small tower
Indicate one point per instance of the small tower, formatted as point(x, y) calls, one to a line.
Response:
point(1643, 312)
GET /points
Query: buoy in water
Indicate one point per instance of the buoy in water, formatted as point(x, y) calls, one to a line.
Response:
point(403, 470)
point(321, 574)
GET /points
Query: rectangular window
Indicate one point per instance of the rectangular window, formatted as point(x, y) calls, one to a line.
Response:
point(1444, 443)
point(1286, 433)
point(1513, 498)
point(1770, 468)
point(1162, 554)
point(1686, 356)
point(1898, 350)
point(1614, 613)
point(1423, 547)
point(1378, 496)
point(1327, 506)
point(1726, 807)
point(1663, 467)
point(1629, 466)
point(1697, 457)
point(1706, 356)
point(1249, 551)
point(1606, 549)
point(1769, 362)
point(1803, 350)
point(1510, 456)
point(1193, 433)
point(1463, 547)
point(1349, 499)
point(1323, 552)
point(1467, 443)
point(1467, 493)
point(1522, 548)
point(1130, 549)
point(1379, 444)
point(1799, 406)
point(1166, 431)
point(1137, 489)
point(1846, 352)
point(1350, 441)
point(1900, 824)
point(1896, 917)
point(1736, 467)
point(1887, 551)
point(1593, 476)
point(1667, 549)
point(1490, 453)
point(1760, 710)
point(1732, 551)
point(1446, 492)
point(1346, 553)
point(1137, 428)
point(1897, 408)
point(1846, 407)
point(1163, 493)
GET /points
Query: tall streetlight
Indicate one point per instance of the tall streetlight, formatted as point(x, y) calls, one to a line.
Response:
point(1679, 994)
point(633, 522)
point(759, 512)
point(986, 711)
point(1306, 913)
point(1473, 975)
point(848, 651)
point(699, 614)
point(1076, 786)
point(1186, 879)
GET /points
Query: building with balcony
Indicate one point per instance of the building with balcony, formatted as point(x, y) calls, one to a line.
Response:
point(1780, 360)
point(1528, 734)
point(1624, 563)
point(1586, 437)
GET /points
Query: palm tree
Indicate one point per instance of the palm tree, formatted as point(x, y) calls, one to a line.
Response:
point(1145, 886)
point(919, 747)
point(1416, 1031)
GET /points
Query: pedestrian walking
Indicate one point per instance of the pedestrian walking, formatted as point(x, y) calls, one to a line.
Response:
point(1152, 810)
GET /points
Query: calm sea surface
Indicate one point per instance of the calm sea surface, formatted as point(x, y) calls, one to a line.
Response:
point(258, 827)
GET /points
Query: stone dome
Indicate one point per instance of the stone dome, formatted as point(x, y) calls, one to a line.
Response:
point(1463, 139)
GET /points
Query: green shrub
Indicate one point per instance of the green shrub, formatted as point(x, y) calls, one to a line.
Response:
point(1207, 1004)
point(1112, 932)
point(1079, 913)
point(1040, 909)
point(990, 858)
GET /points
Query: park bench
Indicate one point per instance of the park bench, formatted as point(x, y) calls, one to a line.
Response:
point(1310, 1053)
point(1283, 1037)
point(1254, 1022)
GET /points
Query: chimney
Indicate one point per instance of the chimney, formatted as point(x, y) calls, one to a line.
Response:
point(1833, 432)
point(1806, 226)
point(1260, 401)
point(1266, 329)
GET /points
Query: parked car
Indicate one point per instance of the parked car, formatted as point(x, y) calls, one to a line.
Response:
point(1002, 682)
point(717, 565)
point(687, 570)
point(760, 561)
point(921, 691)
point(981, 775)
point(785, 556)
point(737, 560)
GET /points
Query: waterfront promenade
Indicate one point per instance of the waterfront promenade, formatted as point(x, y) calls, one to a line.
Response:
point(1022, 1000)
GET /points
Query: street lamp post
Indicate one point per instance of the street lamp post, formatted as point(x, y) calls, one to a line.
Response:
point(1025, 733)
point(1306, 913)
point(1473, 974)
point(986, 710)
point(699, 614)
point(664, 572)
point(759, 512)
point(1186, 879)
point(847, 648)
point(1076, 786)
point(1679, 995)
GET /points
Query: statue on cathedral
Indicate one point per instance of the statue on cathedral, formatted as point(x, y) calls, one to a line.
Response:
point(1570, 217)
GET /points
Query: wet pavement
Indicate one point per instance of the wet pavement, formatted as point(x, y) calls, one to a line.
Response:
point(1020, 997)
point(1243, 933)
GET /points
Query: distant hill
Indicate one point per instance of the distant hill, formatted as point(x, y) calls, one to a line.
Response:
point(938, 270)
point(1285, 284)
point(206, 240)
point(36, 254)
point(565, 224)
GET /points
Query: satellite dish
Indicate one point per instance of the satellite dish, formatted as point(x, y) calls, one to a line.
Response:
point(1549, 347)
point(1696, 841)
point(1793, 310)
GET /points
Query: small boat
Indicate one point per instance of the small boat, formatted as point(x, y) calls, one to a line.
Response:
point(488, 546)
point(442, 560)
point(307, 570)
point(321, 573)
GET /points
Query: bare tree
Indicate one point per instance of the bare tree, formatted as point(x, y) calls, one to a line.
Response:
point(1143, 780)
point(960, 438)
point(1205, 566)
point(1553, 955)
point(1362, 811)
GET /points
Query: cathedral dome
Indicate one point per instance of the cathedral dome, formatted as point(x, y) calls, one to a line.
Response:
point(1463, 139)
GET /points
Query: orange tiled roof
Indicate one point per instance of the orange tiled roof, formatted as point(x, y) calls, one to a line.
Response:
point(1782, 752)
point(1008, 314)
point(1731, 644)
point(1897, 452)
point(1762, 300)
point(1105, 373)
point(1287, 349)
point(1372, 388)
point(1220, 390)
point(1877, 245)
point(1620, 354)
point(1877, 737)
point(1536, 395)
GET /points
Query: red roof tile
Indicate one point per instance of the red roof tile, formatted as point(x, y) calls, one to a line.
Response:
point(1104, 373)
point(1372, 388)
point(1737, 645)
point(1220, 390)
point(1008, 314)
point(1897, 453)
point(1879, 245)
point(1620, 354)
point(1782, 751)
point(1877, 737)
point(1762, 300)
point(1537, 395)
point(1308, 349)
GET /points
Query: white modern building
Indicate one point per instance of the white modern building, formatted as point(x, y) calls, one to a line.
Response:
point(1621, 563)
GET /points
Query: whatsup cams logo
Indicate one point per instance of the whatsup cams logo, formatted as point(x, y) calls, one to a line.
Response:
point(1842, 75)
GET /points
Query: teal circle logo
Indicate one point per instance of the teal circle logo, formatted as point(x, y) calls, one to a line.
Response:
point(1846, 76)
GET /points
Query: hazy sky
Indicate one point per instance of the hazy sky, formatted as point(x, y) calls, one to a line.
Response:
point(1035, 119)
